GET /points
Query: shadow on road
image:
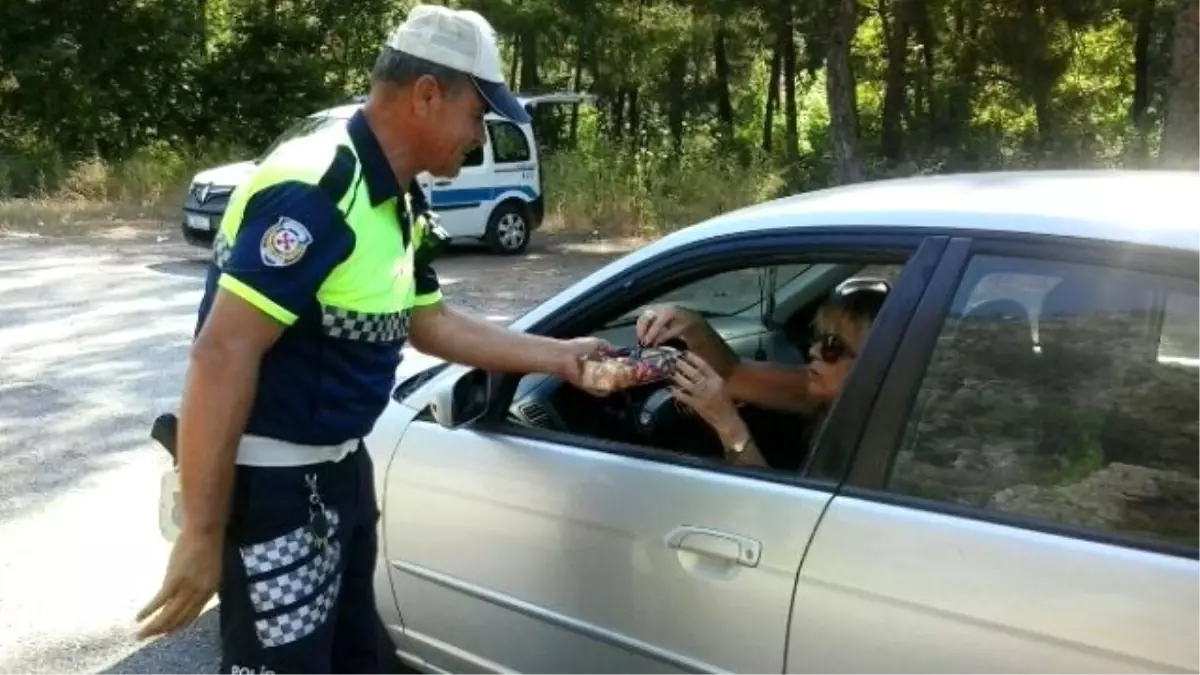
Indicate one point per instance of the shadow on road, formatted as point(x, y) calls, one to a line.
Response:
point(196, 268)
point(178, 653)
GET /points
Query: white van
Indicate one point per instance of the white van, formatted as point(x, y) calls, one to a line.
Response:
point(497, 198)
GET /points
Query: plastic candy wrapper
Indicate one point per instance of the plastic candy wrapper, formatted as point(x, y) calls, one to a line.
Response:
point(617, 370)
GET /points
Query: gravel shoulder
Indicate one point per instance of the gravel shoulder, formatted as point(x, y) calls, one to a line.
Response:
point(94, 332)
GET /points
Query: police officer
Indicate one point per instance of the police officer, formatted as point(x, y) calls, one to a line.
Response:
point(320, 275)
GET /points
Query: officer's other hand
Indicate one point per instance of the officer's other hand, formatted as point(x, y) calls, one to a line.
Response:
point(575, 351)
point(193, 572)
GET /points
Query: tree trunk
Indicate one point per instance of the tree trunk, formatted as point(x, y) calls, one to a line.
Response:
point(1045, 125)
point(635, 118)
point(516, 60)
point(787, 41)
point(721, 66)
point(1141, 79)
point(529, 62)
point(840, 91)
point(958, 112)
point(676, 74)
point(772, 98)
point(576, 86)
point(928, 39)
point(618, 115)
point(1181, 125)
point(896, 79)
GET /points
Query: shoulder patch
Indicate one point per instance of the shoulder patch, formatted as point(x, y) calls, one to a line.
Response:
point(284, 243)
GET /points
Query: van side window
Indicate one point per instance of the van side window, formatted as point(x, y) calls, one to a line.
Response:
point(1063, 393)
point(508, 142)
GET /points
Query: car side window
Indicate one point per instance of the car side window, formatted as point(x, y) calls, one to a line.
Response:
point(1066, 393)
point(648, 418)
point(508, 142)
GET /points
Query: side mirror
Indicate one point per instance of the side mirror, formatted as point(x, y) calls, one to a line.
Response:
point(463, 402)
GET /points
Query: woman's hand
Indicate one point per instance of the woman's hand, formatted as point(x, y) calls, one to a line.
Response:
point(659, 324)
point(700, 388)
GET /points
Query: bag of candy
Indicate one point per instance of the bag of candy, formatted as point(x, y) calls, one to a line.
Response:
point(627, 368)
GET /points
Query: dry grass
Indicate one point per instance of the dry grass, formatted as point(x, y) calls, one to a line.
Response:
point(74, 217)
point(591, 193)
point(142, 194)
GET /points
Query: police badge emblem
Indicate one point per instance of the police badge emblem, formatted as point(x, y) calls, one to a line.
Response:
point(284, 242)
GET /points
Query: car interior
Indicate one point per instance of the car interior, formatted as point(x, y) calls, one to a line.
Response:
point(763, 313)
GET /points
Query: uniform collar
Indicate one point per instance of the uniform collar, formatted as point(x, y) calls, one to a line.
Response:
point(381, 182)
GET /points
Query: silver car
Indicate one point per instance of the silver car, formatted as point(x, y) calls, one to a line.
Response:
point(1006, 483)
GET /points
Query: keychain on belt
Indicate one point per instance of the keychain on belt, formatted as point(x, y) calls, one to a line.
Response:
point(318, 517)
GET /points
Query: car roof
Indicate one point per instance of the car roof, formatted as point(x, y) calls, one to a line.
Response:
point(1135, 207)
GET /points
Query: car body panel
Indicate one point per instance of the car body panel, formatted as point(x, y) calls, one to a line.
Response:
point(572, 567)
point(510, 552)
point(941, 594)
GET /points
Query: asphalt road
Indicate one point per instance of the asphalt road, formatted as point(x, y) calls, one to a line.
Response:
point(93, 345)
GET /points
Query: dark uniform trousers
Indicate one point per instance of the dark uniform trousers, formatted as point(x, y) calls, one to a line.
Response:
point(297, 585)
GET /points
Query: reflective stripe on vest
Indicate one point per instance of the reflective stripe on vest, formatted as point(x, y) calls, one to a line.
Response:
point(368, 297)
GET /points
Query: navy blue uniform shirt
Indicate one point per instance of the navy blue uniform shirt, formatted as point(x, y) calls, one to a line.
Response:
point(314, 389)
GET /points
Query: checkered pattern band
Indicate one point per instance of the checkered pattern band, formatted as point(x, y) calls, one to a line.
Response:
point(299, 584)
point(282, 550)
point(288, 627)
point(348, 324)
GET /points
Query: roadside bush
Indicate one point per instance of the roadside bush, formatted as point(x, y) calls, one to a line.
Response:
point(611, 193)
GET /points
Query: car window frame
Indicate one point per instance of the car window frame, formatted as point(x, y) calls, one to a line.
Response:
point(841, 427)
point(886, 422)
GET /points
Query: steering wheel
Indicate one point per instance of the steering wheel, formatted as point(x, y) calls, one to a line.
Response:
point(659, 412)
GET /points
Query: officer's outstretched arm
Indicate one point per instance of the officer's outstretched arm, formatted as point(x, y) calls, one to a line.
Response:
point(438, 330)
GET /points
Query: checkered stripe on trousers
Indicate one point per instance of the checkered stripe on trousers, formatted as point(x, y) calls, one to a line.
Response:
point(348, 324)
point(290, 626)
point(282, 550)
point(299, 584)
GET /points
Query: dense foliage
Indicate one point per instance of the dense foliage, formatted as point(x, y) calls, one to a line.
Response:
point(775, 95)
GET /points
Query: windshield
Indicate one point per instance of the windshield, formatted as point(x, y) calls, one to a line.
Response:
point(302, 127)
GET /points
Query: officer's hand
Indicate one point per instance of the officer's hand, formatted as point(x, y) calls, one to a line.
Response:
point(193, 572)
point(574, 353)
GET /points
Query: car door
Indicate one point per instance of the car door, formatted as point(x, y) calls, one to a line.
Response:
point(1024, 496)
point(523, 550)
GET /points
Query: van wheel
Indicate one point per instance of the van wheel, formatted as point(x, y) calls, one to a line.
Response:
point(508, 229)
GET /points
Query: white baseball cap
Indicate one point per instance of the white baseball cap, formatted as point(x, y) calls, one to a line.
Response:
point(464, 41)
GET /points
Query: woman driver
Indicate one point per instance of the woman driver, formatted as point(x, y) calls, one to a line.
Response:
point(710, 377)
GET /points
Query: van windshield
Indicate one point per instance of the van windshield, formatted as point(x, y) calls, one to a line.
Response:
point(302, 127)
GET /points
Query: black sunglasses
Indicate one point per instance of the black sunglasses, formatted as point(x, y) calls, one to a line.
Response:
point(832, 347)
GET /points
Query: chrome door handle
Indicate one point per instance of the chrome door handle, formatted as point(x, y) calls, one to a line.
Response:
point(716, 544)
